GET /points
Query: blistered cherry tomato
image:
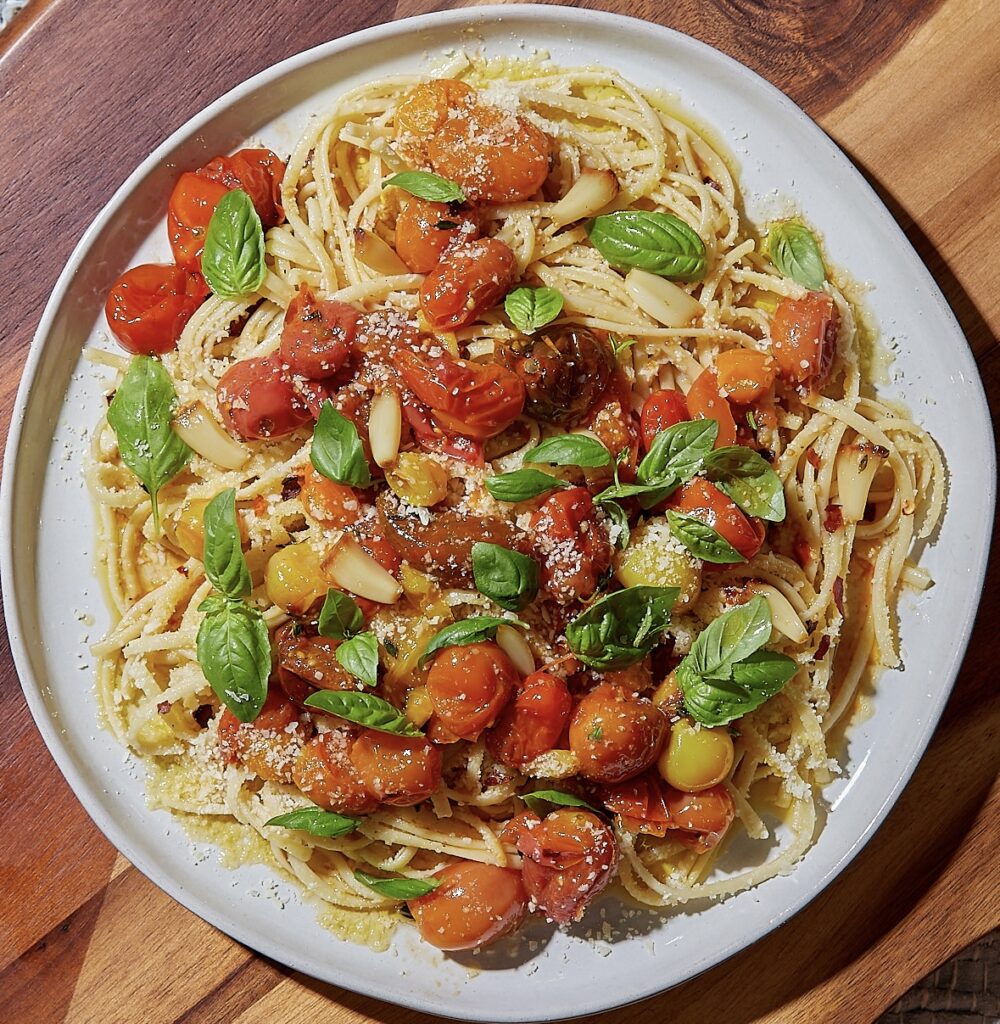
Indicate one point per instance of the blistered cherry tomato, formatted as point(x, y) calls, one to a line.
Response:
point(469, 686)
point(804, 338)
point(514, 828)
point(705, 401)
point(328, 502)
point(706, 502)
point(326, 774)
point(399, 770)
point(574, 546)
point(473, 905)
point(192, 203)
point(425, 229)
point(312, 661)
point(317, 335)
point(661, 410)
point(532, 722)
point(149, 305)
point(258, 172)
point(471, 278)
point(611, 421)
point(425, 108)
point(263, 746)
point(257, 400)
point(643, 803)
point(744, 375)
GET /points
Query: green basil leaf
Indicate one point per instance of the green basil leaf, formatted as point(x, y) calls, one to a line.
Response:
point(658, 242)
point(540, 797)
point(425, 185)
point(702, 540)
point(214, 603)
point(340, 617)
point(618, 519)
point(363, 708)
point(317, 822)
point(719, 701)
point(468, 631)
point(359, 656)
point(795, 252)
point(522, 484)
point(337, 451)
point(621, 628)
point(651, 494)
point(234, 652)
point(225, 566)
point(504, 576)
point(531, 308)
point(571, 450)
point(732, 637)
point(677, 453)
point(232, 261)
point(749, 480)
point(140, 415)
point(765, 672)
point(398, 887)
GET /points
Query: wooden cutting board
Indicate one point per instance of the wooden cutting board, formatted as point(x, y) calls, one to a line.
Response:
point(910, 89)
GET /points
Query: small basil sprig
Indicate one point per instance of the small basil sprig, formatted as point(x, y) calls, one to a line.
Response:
point(140, 414)
point(504, 576)
point(531, 308)
point(702, 540)
point(340, 617)
point(537, 800)
point(657, 242)
point(232, 261)
point(337, 451)
point(225, 566)
point(795, 252)
point(468, 631)
point(749, 480)
point(425, 185)
point(522, 485)
point(726, 675)
point(398, 887)
point(621, 628)
point(570, 450)
point(618, 518)
point(363, 708)
point(317, 822)
point(234, 652)
point(359, 656)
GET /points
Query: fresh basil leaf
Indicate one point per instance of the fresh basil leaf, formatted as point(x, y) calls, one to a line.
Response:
point(522, 484)
point(234, 652)
point(359, 656)
point(504, 576)
point(468, 631)
point(214, 603)
point(765, 672)
point(618, 519)
point(398, 887)
point(340, 617)
point(651, 494)
point(317, 822)
point(571, 450)
point(719, 701)
point(232, 261)
point(702, 540)
point(732, 637)
point(363, 708)
point(337, 451)
point(620, 345)
point(749, 480)
point(140, 415)
point(425, 185)
point(540, 797)
point(531, 308)
point(677, 453)
point(621, 628)
point(795, 252)
point(658, 242)
point(225, 566)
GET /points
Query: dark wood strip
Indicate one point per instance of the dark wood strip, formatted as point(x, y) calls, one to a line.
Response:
point(249, 982)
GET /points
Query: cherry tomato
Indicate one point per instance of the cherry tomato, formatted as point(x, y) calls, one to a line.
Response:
point(661, 410)
point(307, 663)
point(574, 546)
point(425, 229)
point(514, 828)
point(706, 502)
point(568, 860)
point(613, 424)
point(744, 374)
point(258, 172)
point(615, 734)
point(478, 400)
point(532, 722)
point(328, 502)
point(705, 402)
point(399, 770)
point(317, 335)
point(425, 108)
point(474, 905)
point(471, 278)
point(192, 203)
point(325, 773)
point(469, 686)
point(149, 305)
point(804, 338)
point(264, 745)
point(257, 400)
point(642, 802)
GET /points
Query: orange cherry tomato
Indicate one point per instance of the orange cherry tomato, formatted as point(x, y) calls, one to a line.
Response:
point(469, 686)
point(426, 107)
point(189, 211)
point(477, 400)
point(706, 502)
point(327, 502)
point(399, 770)
point(705, 402)
point(474, 905)
point(804, 338)
point(744, 374)
point(642, 803)
point(149, 305)
point(317, 335)
point(615, 734)
point(471, 278)
point(263, 746)
point(325, 773)
point(661, 410)
point(574, 546)
point(532, 722)
point(258, 401)
point(567, 860)
point(258, 172)
point(425, 229)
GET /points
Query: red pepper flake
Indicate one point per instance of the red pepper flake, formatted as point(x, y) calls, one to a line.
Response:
point(204, 715)
point(290, 487)
point(803, 552)
point(824, 646)
point(813, 456)
point(259, 505)
point(838, 594)
point(834, 518)
point(163, 707)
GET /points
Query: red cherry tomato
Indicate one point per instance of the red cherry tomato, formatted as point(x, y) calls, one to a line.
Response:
point(399, 770)
point(424, 230)
point(317, 335)
point(661, 410)
point(262, 746)
point(532, 722)
point(706, 502)
point(149, 305)
point(705, 402)
point(307, 663)
point(471, 278)
point(325, 773)
point(804, 338)
point(258, 172)
point(191, 206)
point(473, 905)
point(568, 860)
point(257, 400)
point(514, 828)
point(611, 421)
point(642, 803)
point(574, 546)
point(469, 686)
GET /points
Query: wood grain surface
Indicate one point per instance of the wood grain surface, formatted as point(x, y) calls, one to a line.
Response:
point(910, 89)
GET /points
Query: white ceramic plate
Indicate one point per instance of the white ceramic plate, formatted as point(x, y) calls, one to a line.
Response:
point(46, 524)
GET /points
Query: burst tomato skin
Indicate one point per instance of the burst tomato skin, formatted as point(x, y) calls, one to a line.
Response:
point(325, 773)
point(318, 335)
point(704, 501)
point(328, 502)
point(425, 107)
point(706, 401)
point(423, 233)
point(804, 338)
point(258, 172)
point(258, 401)
point(469, 687)
point(661, 410)
point(744, 375)
point(573, 544)
point(261, 745)
point(149, 305)
point(471, 278)
point(398, 770)
point(532, 722)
